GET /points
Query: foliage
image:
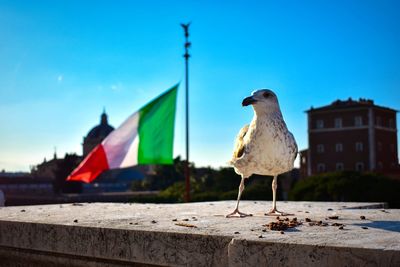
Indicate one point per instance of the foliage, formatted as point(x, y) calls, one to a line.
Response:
point(208, 184)
point(163, 177)
point(259, 188)
point(175, 192)
point(225, 180)
point(348, 186)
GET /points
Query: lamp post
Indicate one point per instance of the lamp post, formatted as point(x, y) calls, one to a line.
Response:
point(186, 56)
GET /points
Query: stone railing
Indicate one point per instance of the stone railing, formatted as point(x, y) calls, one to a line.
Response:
point(198, 234)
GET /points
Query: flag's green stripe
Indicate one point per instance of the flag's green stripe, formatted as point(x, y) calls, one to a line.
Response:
point(156, 129)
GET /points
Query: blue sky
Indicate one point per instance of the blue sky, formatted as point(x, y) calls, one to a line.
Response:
point(61, 62)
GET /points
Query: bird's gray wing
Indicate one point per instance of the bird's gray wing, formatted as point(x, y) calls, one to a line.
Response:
point(239, 144)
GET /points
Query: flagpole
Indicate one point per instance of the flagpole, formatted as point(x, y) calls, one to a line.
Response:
point(186, 56)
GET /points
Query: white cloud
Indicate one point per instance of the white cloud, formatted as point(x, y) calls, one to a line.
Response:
point(117, 87)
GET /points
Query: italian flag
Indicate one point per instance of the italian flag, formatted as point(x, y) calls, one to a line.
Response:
point(146, 137)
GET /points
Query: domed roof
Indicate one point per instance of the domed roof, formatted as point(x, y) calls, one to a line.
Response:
point(101, 130)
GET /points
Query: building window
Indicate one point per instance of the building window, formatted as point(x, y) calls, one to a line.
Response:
point(321, 167)
point(359, 166)
point(339, 147)
point(338, 122)
point(320, 148)
point(339, 166)
point(359, 146)
point(303, 160)
point(392, 147)
point(319, 124)
point(380, 165)
point(379, 146)
point(358, 121)
point(378, 121)
point(391, 123)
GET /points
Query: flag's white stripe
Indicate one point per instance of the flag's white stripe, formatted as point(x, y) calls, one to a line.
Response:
point(121, 145)
point(131, 158)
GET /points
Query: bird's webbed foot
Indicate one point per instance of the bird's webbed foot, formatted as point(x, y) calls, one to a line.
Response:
point(275, 212)
point(241, 214)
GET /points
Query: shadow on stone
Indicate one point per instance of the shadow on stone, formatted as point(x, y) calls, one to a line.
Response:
point(393, 226)
point(293, 230)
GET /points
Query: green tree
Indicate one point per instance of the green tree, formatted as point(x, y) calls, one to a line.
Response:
point(348, 186)
point(163, 177)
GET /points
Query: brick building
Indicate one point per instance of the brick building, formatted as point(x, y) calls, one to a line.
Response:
point(350, 135)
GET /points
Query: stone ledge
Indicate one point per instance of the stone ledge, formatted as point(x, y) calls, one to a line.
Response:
point(33, 258)
point(108, 234)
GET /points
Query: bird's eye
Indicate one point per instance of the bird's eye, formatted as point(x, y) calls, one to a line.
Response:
point(266, 94)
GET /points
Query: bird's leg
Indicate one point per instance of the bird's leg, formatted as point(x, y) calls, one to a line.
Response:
point(274, 211)
point(241, 214)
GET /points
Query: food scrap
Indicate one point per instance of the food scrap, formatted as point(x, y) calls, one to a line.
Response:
point(282, 224)
point(186, 225)
point(318, 223)
point(333, 217)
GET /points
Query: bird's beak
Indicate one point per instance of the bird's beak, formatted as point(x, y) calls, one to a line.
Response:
point(248, 101)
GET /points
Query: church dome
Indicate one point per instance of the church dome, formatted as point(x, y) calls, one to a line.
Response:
point(96, 135)
point(101, 130)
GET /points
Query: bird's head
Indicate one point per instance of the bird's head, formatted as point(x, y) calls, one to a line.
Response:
point(262, 100)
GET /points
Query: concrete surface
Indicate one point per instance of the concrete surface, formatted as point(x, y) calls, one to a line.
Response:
point(45, 199)
point(198, 234)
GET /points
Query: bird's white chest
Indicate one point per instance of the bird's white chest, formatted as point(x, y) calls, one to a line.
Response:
point(269, 147)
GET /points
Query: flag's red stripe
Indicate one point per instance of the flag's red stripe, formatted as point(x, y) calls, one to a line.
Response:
point(94, 164)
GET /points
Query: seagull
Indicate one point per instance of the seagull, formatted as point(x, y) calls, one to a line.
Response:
point(265, 147)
